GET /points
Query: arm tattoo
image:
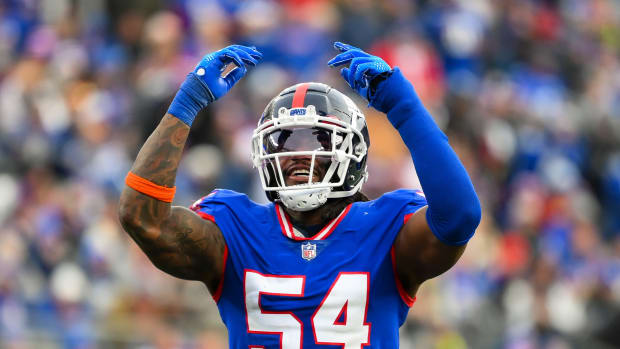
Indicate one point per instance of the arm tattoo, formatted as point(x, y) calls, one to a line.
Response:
point(175, 239)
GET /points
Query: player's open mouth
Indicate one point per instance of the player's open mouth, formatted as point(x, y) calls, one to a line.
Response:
point(299, 174)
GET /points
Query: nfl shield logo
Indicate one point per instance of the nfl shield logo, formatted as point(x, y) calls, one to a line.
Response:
point(308, 251)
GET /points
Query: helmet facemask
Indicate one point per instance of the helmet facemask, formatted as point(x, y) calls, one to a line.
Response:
point(324, 148)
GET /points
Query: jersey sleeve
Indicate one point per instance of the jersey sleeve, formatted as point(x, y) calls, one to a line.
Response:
point(216, 205)
point(403, 202)
point(205, 206)
point(220, 207)
point(416, 200)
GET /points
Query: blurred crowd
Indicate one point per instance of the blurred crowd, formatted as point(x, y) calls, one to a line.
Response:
point(528, 92)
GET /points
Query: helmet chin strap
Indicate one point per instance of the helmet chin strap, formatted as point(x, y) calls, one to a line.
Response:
point(304, 199)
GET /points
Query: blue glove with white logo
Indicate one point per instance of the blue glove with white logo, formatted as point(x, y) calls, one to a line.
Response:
point(206, 84)
point(365, 71)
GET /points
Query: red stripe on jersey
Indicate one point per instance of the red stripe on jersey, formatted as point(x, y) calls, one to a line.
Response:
point(220, 286)
point(401, 290)
point(283, 219)
point(300, 96)
point(285, 223)
point(407, 217)
point(206, 216)
point(322, 235)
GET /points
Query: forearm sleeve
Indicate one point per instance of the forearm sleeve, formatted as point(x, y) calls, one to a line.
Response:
point(453, 206)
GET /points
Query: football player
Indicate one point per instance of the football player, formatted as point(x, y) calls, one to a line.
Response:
point(320, 265)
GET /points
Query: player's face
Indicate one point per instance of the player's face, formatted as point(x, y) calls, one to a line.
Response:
point(296, 169)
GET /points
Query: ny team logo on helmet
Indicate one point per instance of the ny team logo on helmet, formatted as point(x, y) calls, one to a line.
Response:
point(341, 141)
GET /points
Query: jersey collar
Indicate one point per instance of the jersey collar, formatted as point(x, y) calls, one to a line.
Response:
point(290, 232)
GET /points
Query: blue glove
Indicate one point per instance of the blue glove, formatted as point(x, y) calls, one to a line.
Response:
point(206, 84)
point(365, 71)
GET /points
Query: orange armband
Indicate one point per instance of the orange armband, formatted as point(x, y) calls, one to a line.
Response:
point(149, 188)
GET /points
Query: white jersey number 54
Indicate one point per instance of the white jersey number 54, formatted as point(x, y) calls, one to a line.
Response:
point(339, 319)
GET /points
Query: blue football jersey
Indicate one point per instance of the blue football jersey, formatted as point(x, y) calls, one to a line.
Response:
point(337, 289)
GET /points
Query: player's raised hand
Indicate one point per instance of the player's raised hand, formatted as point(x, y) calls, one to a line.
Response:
point(210, 68)
point(206, 84)
point(363, 68)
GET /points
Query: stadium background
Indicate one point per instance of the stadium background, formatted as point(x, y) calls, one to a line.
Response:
point(528, 92)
